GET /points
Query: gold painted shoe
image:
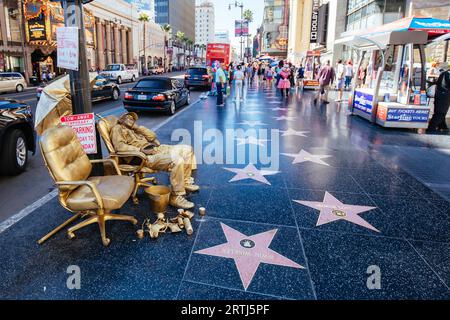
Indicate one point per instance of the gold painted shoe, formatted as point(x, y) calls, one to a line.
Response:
point(192, 188)
point(181, 202)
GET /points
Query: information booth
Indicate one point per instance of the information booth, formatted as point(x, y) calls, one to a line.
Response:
point(312, 64)
point(390, 87)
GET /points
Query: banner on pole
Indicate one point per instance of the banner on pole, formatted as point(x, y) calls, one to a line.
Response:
point(241, 28)
point(68, 48)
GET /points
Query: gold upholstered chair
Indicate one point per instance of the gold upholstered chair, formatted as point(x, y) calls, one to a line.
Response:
point(131, 163)
point(79, 193)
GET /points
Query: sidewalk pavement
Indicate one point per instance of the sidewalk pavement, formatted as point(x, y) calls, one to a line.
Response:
point(339, 218)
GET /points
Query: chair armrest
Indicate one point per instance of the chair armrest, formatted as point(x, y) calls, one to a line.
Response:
point(110, 161)
point(89, 184)
point(136, 154)
point(133, 154)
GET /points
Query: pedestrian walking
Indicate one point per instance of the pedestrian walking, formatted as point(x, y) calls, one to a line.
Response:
point(340, 78)
point(220, 81)
point(300, 76)
point(249, 73)
point(292, 75)
point(238, 83)
point(326, 77)
point(284, 84)
point(441, 103)
point(348, 74)
point(277, 71)
point(269, 76)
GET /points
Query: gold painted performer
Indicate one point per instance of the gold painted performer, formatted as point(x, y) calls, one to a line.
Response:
point(179, 160)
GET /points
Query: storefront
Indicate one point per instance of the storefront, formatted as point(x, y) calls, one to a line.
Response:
point(391, 75)
point(42, 18)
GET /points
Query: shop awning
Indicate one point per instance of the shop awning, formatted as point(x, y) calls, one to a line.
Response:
point(434, 27)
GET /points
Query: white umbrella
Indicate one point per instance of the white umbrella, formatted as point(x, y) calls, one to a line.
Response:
point(55, 102)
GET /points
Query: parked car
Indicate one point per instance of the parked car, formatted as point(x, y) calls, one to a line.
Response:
point(121, 72)
point(157, 93)
point(197, 77)
point(103, 89)
point(17, 136)
point(12, 81)
point(155, 70)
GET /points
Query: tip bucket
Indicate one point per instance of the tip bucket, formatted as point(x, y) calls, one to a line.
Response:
point(159, 198)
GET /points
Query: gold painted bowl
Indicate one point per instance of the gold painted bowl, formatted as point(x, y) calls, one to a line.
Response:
point(159, 198)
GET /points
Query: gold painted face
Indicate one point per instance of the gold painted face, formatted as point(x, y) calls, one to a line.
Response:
point(339, 213)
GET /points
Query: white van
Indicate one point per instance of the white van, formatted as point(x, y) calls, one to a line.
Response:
point(12, 81)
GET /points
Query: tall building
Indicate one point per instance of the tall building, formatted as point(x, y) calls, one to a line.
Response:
point(275, 28)
point(204, 23)
point(222, 36)
point(180, 14)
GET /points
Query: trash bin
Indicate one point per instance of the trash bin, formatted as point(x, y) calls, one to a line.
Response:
point(159, 198)
point(34, 81)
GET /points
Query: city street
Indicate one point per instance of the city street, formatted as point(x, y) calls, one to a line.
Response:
point(36, 182)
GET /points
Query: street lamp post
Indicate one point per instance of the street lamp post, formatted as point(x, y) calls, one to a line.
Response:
point(240, 5)
point(79, 80)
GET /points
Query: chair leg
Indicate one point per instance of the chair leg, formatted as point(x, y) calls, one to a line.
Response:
point(81, 225)
point(102, 226)
point(59, 228)
point(120, 217)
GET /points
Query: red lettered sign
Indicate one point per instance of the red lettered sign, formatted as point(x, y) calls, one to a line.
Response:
point(84, 126)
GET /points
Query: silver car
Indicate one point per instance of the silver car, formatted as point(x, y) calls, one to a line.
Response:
point(12, 81)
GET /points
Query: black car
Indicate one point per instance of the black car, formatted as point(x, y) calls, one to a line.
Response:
point(103, 89)
point(17, 136)
point(157, 93)
point(197, 77)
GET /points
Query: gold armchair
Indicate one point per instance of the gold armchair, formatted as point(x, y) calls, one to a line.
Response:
point(95, 197)
point(130, 163)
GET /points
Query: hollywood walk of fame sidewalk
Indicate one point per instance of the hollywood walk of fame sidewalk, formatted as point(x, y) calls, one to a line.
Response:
point(336, 206)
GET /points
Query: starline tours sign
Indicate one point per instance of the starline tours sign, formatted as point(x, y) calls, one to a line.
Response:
point(314, 35)
point(84, 126)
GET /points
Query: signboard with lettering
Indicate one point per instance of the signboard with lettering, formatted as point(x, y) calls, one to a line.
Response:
point(363, 101)
point(403, 114)
point(315, 22)
point(68, 50)
point(84, 126)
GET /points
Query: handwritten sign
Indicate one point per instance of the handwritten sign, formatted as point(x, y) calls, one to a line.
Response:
point(84, 126)
point(68, 48)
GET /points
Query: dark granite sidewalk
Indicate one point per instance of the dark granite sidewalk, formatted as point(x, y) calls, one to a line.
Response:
point(340, 202)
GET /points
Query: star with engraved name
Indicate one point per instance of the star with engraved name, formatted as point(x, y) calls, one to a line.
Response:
point(331, 210)
point(251, 140)
point(248, 252)
point(252, 123)
point(305, 156)
point(292, 132)
point(250, 172)
point(285, 118)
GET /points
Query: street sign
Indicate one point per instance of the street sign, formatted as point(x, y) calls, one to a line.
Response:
point(84, 126)
point(68, 50)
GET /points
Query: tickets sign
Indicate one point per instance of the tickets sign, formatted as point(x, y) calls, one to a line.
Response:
point(363, 102)
point(311, 83)
point(84, 126)
point(403, 114)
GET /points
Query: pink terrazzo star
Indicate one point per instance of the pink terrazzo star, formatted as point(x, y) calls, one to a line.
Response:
point(250, 172)
point(248, 252)
point(331, 209)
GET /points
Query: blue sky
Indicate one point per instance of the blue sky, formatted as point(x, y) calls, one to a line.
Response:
point(225, 18)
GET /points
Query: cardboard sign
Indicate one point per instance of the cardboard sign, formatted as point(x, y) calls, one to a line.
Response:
point(68, 48)
point(84, 126)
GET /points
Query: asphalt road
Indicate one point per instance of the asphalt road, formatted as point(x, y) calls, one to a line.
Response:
point(18, 192)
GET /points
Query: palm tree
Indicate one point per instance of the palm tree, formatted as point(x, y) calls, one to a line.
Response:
point(181, 39)
point(248, 16)
point(144, 18)
point(167, 28)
